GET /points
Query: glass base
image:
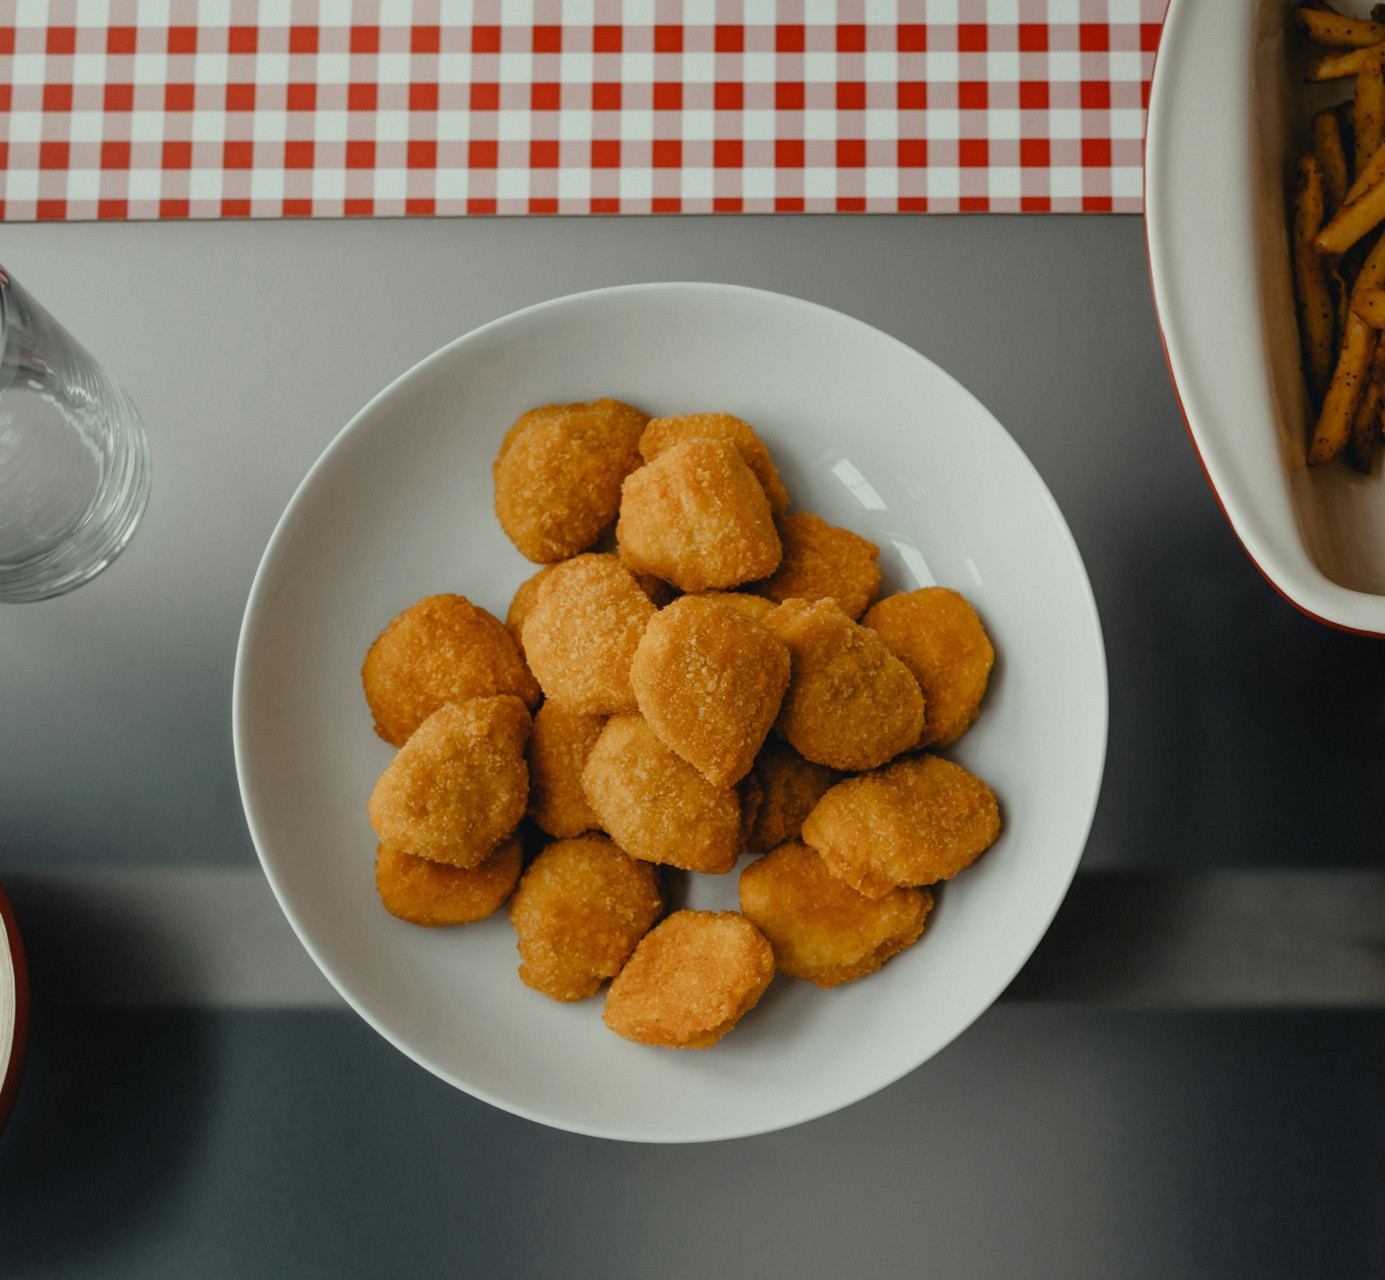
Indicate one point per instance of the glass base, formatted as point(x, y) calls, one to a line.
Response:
point(96, 541)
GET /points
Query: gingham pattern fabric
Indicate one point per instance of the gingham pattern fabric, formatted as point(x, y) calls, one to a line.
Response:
point(234, 108)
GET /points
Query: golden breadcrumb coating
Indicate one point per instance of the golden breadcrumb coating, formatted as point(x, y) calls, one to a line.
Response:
point(582, 632)
point(937, 635)
point(921, 820)
point(430, 893)
point(557, 754)
point(691, 979)
point(788, 787)
point(663, 433)
point(580, 910)
point(458, 787)
point(655, 805)
point(820, 928)
point(709, 682)
point(559, 472)
point(851, 703)
point(756, 608)
point(442, 649)
point(525, 597)
point(697, 517)
point(822, 562)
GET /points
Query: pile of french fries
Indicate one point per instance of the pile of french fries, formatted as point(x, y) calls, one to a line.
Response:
point(1339, 249)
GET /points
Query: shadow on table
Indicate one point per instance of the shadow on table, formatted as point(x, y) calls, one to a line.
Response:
point(108, 1115)
point(1242, 732)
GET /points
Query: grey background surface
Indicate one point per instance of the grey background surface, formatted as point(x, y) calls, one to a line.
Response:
point(1049, 1140)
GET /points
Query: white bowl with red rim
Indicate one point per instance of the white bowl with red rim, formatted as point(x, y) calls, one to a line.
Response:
point(1228, 115)
point(14, 1009)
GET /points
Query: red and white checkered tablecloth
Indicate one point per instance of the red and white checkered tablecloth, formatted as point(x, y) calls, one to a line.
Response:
point(270, 108)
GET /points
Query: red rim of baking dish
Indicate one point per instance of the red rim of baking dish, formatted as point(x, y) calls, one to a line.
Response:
point(9, 1086)
point(1178, 394)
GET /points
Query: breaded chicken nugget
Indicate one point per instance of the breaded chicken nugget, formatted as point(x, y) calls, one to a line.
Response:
point(558, 475)
point(527, 596)
point(442, 649)
point(937, 635)
point(697, 517)
point(690, 981)
point(582, 632)
point(709, 682)
point(851, 703)
point(579, 911)
point(663, 433)
point(822, 562)
point(522, 605)
point(921, 820)
point(820, 928)
point(788, 786)
point(753, 607)
point(557, 753)
point(458, 787)
point(655, 805)
point(430, 893)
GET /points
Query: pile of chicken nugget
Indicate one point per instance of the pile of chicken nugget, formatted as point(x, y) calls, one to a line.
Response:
point(722, 679)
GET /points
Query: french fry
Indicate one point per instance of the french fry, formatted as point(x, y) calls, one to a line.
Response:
point(1366, 425)
point(1332, 29)
point(1352, 221)
point(1315, 310)
point(1338, 412)
point(1366, 178)
point(1332, 159)
point(1341, 294)
point(1369, 304)
point(1361, 447)
point(1368, 112)
point(1338, 66)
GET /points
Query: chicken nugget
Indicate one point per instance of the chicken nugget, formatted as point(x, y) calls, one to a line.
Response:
point(581, 634)
point(788, 788)
point(522, 605)
point(937, 635)
point(655, 805)
point(442, 649)
point(820, 928)
point(822, 562)
point(851, 703)
point(557, 753)
point(921, 820)
point(663, 433)
point(753, 607)
point(697, 517)
point(581, 908)
point(430, 893)
point(458, 787)
point(559, 472)
point(691, 979)
point(709, 682)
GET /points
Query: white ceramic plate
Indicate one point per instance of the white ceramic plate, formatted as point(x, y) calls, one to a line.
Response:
point(1228, 115)
point(867, 433)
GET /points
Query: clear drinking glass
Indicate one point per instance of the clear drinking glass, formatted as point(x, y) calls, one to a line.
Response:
point(74, 457)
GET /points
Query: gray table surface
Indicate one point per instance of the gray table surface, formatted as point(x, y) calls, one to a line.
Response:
point(1185, 1080)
